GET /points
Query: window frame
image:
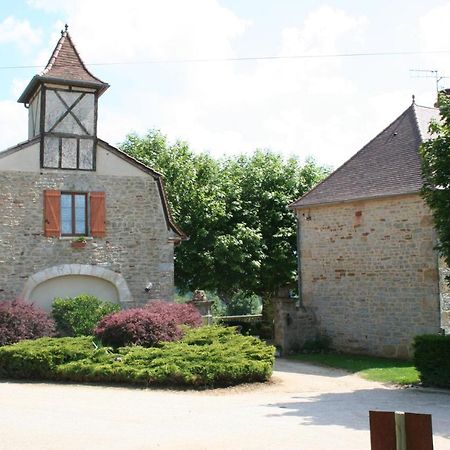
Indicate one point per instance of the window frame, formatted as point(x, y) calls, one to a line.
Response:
point(73, 213)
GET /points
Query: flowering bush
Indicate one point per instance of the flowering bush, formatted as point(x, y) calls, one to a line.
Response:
point(20, 320)
point(147, 326)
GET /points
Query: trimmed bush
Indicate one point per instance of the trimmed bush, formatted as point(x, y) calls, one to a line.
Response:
point(180, 313)
point(79, 315)
point(39, 359)
point(148, 326)
point(205, 357)
point(20, 320)
point(432, 359)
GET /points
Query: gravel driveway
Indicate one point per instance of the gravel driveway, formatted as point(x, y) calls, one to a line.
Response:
point(304, 407)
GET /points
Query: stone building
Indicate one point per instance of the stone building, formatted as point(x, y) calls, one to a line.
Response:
point(78, 215)
point(369, 276)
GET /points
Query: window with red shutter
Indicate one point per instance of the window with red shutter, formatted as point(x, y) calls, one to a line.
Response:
point(52, 213)
point(66, 214)
point(98, 214)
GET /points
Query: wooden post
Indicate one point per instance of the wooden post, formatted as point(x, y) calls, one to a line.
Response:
point(400, 431)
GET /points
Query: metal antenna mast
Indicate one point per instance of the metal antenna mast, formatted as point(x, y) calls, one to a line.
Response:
point(424, 73)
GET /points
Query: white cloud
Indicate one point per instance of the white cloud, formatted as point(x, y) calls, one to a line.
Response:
point(434, 35)
point(12, 113)
point(20, 33)
point(297, 107)
point(108, 30)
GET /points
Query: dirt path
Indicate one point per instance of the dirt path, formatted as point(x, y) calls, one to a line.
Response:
point(304, 407)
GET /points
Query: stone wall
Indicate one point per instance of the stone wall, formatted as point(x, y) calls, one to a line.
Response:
point(294, 325)
point(444, 272)
point(136, 243)
point(369, 273)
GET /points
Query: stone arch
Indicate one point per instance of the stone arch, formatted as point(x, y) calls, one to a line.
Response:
point(116, 279)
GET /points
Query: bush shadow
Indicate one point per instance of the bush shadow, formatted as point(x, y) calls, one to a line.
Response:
point(351, 409)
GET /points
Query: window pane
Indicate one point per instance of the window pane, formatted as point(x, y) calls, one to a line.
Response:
point(80, 214)
point(66, 214)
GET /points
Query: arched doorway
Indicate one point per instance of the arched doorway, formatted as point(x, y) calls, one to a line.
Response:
point(69, 280)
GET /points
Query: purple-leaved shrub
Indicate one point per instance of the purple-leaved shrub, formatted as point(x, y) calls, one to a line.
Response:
point(181, 313)
point(20, 320)
point(147, 326)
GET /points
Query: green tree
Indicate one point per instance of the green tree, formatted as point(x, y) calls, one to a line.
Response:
point(436, 175)
point(242, 236)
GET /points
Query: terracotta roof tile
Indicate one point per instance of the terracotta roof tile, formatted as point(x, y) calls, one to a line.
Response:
point(388, 165)
point(66, 63)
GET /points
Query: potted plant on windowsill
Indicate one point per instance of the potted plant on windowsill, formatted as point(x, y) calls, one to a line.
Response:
point(79, 242)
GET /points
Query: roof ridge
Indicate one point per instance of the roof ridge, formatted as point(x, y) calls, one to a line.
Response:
point(341, 167)
point(416, 121)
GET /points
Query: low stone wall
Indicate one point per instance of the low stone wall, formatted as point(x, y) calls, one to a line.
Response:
point(294, 325)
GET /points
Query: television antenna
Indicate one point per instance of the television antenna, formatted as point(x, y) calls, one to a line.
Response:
point(428, 73)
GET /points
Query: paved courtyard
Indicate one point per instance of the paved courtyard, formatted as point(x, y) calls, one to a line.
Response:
point(305, 407)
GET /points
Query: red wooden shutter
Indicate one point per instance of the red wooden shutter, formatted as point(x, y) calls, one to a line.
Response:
point(52, 213)
point(98, 214)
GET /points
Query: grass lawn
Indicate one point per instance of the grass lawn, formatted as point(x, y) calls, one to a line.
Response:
point(369, 367)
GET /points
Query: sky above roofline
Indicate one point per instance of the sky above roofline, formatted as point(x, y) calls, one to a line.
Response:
point(327, 108)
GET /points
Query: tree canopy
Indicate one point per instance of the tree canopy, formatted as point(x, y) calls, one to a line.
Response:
point(242, 236)
point(436, 175)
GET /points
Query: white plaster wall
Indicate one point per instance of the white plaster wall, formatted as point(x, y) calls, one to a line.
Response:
point(70, 286)
point(26, 159)
point(110, 164)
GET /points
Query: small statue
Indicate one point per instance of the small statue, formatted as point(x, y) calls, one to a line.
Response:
point(199, 296)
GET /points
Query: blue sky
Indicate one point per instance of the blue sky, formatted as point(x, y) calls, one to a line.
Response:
point(323, 107)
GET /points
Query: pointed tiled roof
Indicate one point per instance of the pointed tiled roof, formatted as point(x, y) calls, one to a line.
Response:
point(66, 63)
point(388, 165)
point(65, 66)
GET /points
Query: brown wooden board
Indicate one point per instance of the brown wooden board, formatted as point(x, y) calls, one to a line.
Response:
point(382, 430)
point(419, 432)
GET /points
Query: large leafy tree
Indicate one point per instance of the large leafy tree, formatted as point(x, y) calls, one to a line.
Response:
point(242, 237)
point(436, 175)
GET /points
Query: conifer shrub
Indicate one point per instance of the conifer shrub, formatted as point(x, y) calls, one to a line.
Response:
point(78, 316)
point(20, 320)
point(148, 326)
point(204, 357)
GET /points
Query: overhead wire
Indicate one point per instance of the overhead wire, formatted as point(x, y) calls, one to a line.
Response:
point(248, 58)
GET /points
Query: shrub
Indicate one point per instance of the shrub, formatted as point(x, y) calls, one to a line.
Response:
point(79, 315)
point(40, 358)
point(148, 326)
point(20, 320)
point(205, 357)
point(181, 314)
point(137, 326)
point(432, 359)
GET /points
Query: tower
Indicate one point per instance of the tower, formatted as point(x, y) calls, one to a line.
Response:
point(62, 102)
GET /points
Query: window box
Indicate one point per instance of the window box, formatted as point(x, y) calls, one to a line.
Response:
point(78, 243)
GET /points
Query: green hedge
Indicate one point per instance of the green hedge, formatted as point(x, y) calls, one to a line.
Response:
point(432, 359)
point(78, 316)
point(205, 357)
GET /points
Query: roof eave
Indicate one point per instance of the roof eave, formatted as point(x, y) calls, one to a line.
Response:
point(39, 79)
point(181, 236)
point(295, 205)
